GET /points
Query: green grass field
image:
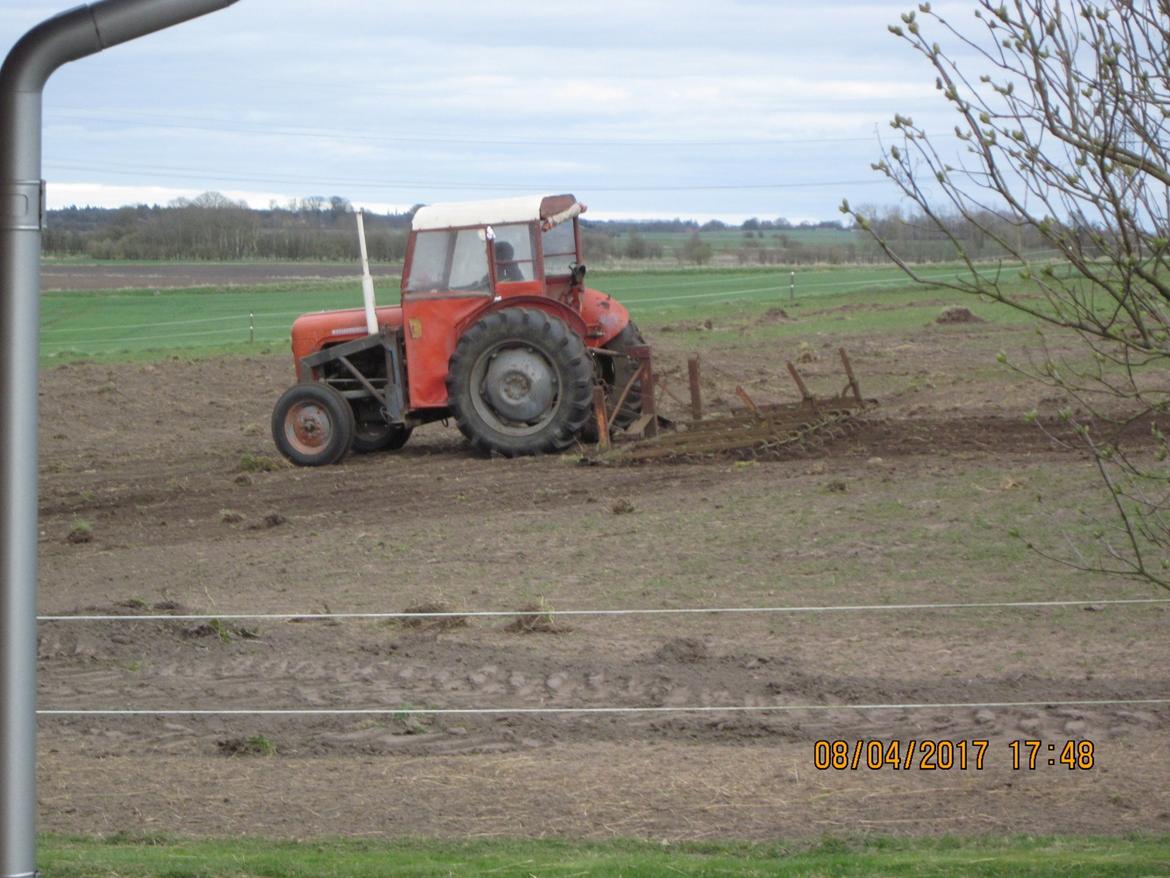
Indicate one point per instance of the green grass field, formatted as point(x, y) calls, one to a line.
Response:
point(1024, 857)
point(202, 321)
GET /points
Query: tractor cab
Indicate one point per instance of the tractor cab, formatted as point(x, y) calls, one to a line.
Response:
point(496, 329)
point(531, 248)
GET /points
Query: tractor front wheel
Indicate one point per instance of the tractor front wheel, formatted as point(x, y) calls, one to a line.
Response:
point(312, 425)
point(520, 382)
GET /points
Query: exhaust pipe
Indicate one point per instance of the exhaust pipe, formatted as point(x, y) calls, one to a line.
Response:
point(367, 281)
point(56, 41)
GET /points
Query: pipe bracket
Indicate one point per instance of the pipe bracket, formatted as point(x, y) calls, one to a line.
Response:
point(22, 206)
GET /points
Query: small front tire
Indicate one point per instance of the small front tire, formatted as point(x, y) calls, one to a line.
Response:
point(313, 425)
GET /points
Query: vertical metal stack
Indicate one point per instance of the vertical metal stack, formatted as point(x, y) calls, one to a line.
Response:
point(56, 41)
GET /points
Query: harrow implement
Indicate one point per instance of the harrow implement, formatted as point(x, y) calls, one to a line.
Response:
point(769, 431)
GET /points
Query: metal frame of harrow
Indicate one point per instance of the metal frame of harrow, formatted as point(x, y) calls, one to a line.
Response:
point(753, 432)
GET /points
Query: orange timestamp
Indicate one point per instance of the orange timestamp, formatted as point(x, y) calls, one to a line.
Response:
point(945, 754)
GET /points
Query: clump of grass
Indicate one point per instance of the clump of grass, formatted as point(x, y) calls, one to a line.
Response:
point(272, 519)
point(214, 628)
point(412, 723)
point(258, 463)
point(217, 628)
point(537, 618)
point(81, 531)
point(255, 745)
point(426, 622)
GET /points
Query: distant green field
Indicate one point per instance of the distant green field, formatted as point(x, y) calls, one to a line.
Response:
point(733, 239)
point(136, 324)
point(687, 290)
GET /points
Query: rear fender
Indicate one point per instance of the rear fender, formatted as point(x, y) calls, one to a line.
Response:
point(604, 317)
point(540, 303)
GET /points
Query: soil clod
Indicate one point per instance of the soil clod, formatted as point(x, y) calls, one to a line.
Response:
point(957, 315)
point(682, 650)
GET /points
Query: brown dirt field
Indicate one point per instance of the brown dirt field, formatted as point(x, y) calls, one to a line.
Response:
point(170, 468)
point(164, 275)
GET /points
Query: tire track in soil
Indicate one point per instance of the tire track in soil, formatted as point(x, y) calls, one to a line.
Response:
point(321, 665)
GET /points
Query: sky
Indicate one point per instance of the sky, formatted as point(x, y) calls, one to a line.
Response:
point(643, 109)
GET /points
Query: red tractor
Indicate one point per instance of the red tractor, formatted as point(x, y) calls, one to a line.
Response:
point(496, 329)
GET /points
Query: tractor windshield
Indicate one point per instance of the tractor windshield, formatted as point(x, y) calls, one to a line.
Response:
point(560, 249)
point(446, 260)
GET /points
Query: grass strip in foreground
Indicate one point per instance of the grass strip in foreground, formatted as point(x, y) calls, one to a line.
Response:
point(1032, 857)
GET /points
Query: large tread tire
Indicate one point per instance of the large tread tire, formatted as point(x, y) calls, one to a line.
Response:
point(313, 425)
point(554, 348)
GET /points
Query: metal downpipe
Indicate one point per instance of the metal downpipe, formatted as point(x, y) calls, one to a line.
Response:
point(66, 37)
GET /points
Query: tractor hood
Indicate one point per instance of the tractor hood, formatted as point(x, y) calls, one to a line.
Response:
point(320, 329)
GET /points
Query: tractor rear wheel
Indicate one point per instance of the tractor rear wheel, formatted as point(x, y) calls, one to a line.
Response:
point(520, 382)
point(312, 424)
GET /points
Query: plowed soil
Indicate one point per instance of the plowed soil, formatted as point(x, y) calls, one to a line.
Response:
point(169, 475)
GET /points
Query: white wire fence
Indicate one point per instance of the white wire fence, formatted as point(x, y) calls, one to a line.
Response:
point(407, 710)
point(644, 611)
point(547, 711)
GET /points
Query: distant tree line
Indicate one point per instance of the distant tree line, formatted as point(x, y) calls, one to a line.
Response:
point(213, 227)
point(981, 233)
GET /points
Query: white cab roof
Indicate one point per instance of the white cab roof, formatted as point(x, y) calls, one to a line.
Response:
point(521, 209)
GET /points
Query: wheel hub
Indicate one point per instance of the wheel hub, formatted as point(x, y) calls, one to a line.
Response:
point(308, 426)
point(520, 385)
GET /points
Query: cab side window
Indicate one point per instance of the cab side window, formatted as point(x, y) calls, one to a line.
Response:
point(560, 249)
point(446, 260)
point(514, 250)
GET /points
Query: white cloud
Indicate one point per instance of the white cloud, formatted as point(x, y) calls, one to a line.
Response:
point(81, 194)
point(527, 93)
